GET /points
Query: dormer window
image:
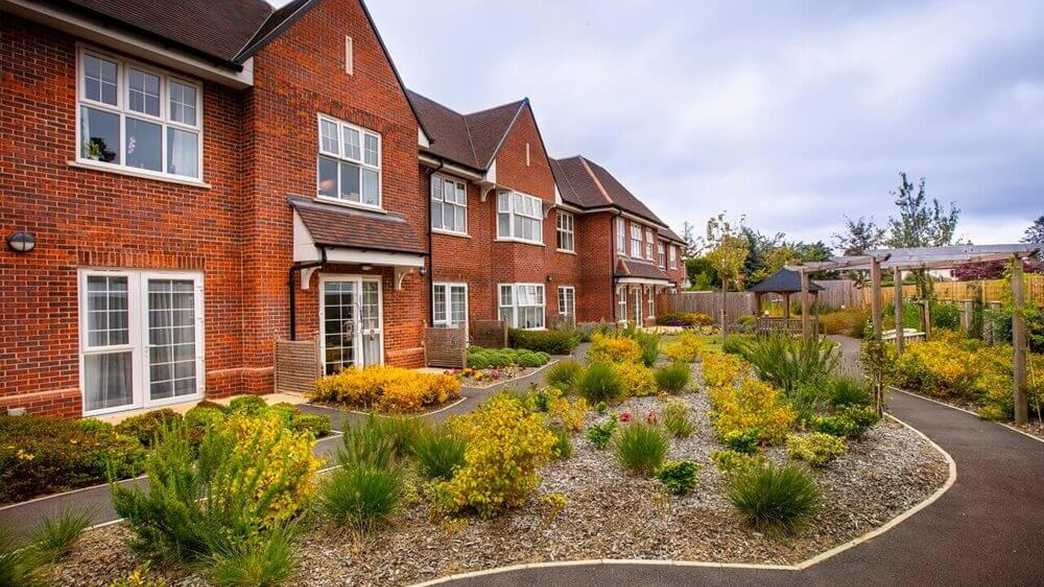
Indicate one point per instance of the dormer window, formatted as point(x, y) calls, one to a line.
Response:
point(349, 163)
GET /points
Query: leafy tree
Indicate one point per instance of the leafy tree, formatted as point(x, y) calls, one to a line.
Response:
point(921, 223)
point(701, 275)
point(861, 235)
point(727, 255)
point(1035, 232)
point(694, 245)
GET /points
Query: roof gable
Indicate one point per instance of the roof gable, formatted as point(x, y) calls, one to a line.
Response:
point(590, 185)
point(469, 139)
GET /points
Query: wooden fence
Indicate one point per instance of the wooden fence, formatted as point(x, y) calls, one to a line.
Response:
point(491, 334)
point(296, 365)
point(445, 347)
point(985, 291)
point(738, 303)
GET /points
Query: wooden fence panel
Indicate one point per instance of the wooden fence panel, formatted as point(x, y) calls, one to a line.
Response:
point(296, 366)
point(488, 333)
point(738, 303)
point(446, 347)
point(837, 293)
point(989, 290)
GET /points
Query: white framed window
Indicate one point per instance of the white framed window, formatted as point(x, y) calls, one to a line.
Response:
point(636, 240)
point(349, 58)
point(662, 250)
point(621, 236)
point(521, 305)
point(652, 303)
point(449, 204)
point(138, 118)
point(674, 257)
point(566, 241)
point(520, 217)
point(449, 305)
point(621, 304)
point(649, 240)
point(349, 168)
point(567, 302)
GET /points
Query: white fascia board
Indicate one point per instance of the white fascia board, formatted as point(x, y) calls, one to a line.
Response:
point(131, 44)
point(450, 168)
point(369, 257)
point(642, 281)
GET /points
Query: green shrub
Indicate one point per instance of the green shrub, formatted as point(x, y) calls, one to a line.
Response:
point(564, 374)
point(318, 424)
point(482, 358)
point(563, 447)
point(372, 444)
point(773, 497)
point(557, 341)
point(744, 441)
point(265, 561)
point(19, 565)
point(361, 496)
point(55, 536)
point(147, 426)
point(478, 360)
point(673, 378)
point(848, 391)
point(439, 453)
point(815, 448)
point(650, 346)
point(640, 448)
point(687, 319)
point(213, 405)
point(601, 434)
point(94, 426)
point(731, 462)
point(679, 477)
point(850, 322)
point(250, 405)
point(676, 419)
point(601, 382)
point(849, 422)
point(43, 455)
point(788, 362)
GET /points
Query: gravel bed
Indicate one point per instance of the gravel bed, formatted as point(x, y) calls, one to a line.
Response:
point(608, 514)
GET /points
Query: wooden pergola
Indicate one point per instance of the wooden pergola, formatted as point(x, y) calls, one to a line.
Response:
point(928, 258)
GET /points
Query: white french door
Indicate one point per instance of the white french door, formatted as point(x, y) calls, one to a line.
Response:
point(351, 322)
point(141, 339)
point(638, 307)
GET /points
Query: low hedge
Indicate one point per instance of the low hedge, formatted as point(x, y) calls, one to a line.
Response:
point(483, 358)
point(557, 341)
point(386, 389)
point(686, 319)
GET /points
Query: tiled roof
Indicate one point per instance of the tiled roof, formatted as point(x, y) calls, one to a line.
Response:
point(586, 184)
point(468, 139)
point(669, 234)
point(338, 226)
point(784, 281)
point(626, 268)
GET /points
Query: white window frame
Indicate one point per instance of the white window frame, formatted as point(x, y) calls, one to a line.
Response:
point(357, 335)
point(122, 109)
point(512, 198)
point(565, 223)
point(649, 240)
point(662, 250)
point(339, 156)
point(445, 322)
point(621, 236)
point(652, 303)
point(137, 339)
point(674, 256)
point(515, 307)
point(563, 310)
point(621, 304)
point(636, 240)
point(457, 183)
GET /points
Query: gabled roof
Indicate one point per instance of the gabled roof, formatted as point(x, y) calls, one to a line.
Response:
point(468, 139)
point(338, 226)
point(586, 184)
point(784, 281)
point(670, 235)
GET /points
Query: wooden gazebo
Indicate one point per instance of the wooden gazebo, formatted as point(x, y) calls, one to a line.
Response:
point(785, 282)
point(928, 258)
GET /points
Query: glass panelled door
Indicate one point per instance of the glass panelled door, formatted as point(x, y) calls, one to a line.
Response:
point(171, 339)
point(108, 352)
point(352, 328)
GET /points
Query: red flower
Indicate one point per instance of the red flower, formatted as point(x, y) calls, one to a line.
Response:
point(650, 418)
point(625, 416)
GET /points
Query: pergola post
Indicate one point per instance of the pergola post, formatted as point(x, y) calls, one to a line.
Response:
point(899, 330)
point(1018, 341)
point(875, 297)
point(806, 320)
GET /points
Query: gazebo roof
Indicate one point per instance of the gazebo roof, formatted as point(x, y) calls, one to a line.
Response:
point(784, 281)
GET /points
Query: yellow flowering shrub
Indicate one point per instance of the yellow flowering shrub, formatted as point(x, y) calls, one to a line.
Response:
point(613, 349)
point(722, 369)
point(570, 414)
point(687, 348)
point(639, 380)
point(752, 405)
point(506, 446)
point(386, 389)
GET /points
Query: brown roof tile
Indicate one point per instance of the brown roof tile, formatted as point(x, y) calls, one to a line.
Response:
point(338, 226)
point(468, 139)
point(626, 268)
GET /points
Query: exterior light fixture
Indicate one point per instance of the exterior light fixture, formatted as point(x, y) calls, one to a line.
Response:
point(21, 241)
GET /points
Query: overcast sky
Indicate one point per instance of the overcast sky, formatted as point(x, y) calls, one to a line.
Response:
point(792, 113)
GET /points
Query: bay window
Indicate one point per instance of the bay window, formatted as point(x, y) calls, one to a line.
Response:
point(520, 217)
point(621, 236)
point(565, 232)
point(649, 244)
point(449, 205)
point(138, 118)
point(349, 163)
point(636, 241)
point(521, 305)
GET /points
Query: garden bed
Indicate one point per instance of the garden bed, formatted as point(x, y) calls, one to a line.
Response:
point(607, 514)
point(486, 378)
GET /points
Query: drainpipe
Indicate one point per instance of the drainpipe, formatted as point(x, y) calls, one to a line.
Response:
point(431, 253)
point(292, 282)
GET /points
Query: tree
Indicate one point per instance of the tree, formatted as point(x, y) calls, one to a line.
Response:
point(920, 223)
point(727, 254)
point(694, 245)
point(860, 236)
point(1035, 232)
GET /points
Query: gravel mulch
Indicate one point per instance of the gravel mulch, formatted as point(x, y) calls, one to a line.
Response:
point(608, 514)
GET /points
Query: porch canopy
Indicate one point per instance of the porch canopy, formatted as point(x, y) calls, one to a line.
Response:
point(927, 258)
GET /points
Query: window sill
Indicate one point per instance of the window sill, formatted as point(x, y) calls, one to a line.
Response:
point(519, 241)
point(93, 166)
point(357, 206)
point(450, 233)
point(566, 251)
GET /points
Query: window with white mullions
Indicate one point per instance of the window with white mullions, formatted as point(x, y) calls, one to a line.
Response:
point(567, 303)
point(636, 241)
point(521, 305)
point(349, 168)
point(621, 236)
point(565, 232)
point(450, 303)
point(674, 257)
point(663, 255)
point(520, 217)
point(172, 338)
point(449, 204)
point(649, 240)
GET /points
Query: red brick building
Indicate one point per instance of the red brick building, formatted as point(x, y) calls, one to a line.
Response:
point(200, 183)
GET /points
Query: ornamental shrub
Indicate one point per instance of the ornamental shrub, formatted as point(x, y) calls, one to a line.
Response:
point(613, 349)
point(788, 362)
point(676, 419)
point(850, 322)
point(640, 448)
point(722, 370)
point(250, 405)
point(731, 462)
point(145, 427)
point(564, 374)
point(774, 498)
point(386, 389)
point(439, 453)
point(361, 496)
point(601, 382)
point(55, 537)
point(42, 455)
point(673, 378)
point(687, 348)
point(649, 344)
point(20, 565)
point(753, 405)
point(556, 341)
point(743, 441)
point(568, 415)
point(601, 434)
point(265, 561)
point(686, 319)
point(844, 390)
point(506, 447)
point(679, 477)
point(198, 420)
point(531, 358)
point(815, 448)
point(638, 380)
point(848, 422)
point(255, 474)
point(563, 448)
